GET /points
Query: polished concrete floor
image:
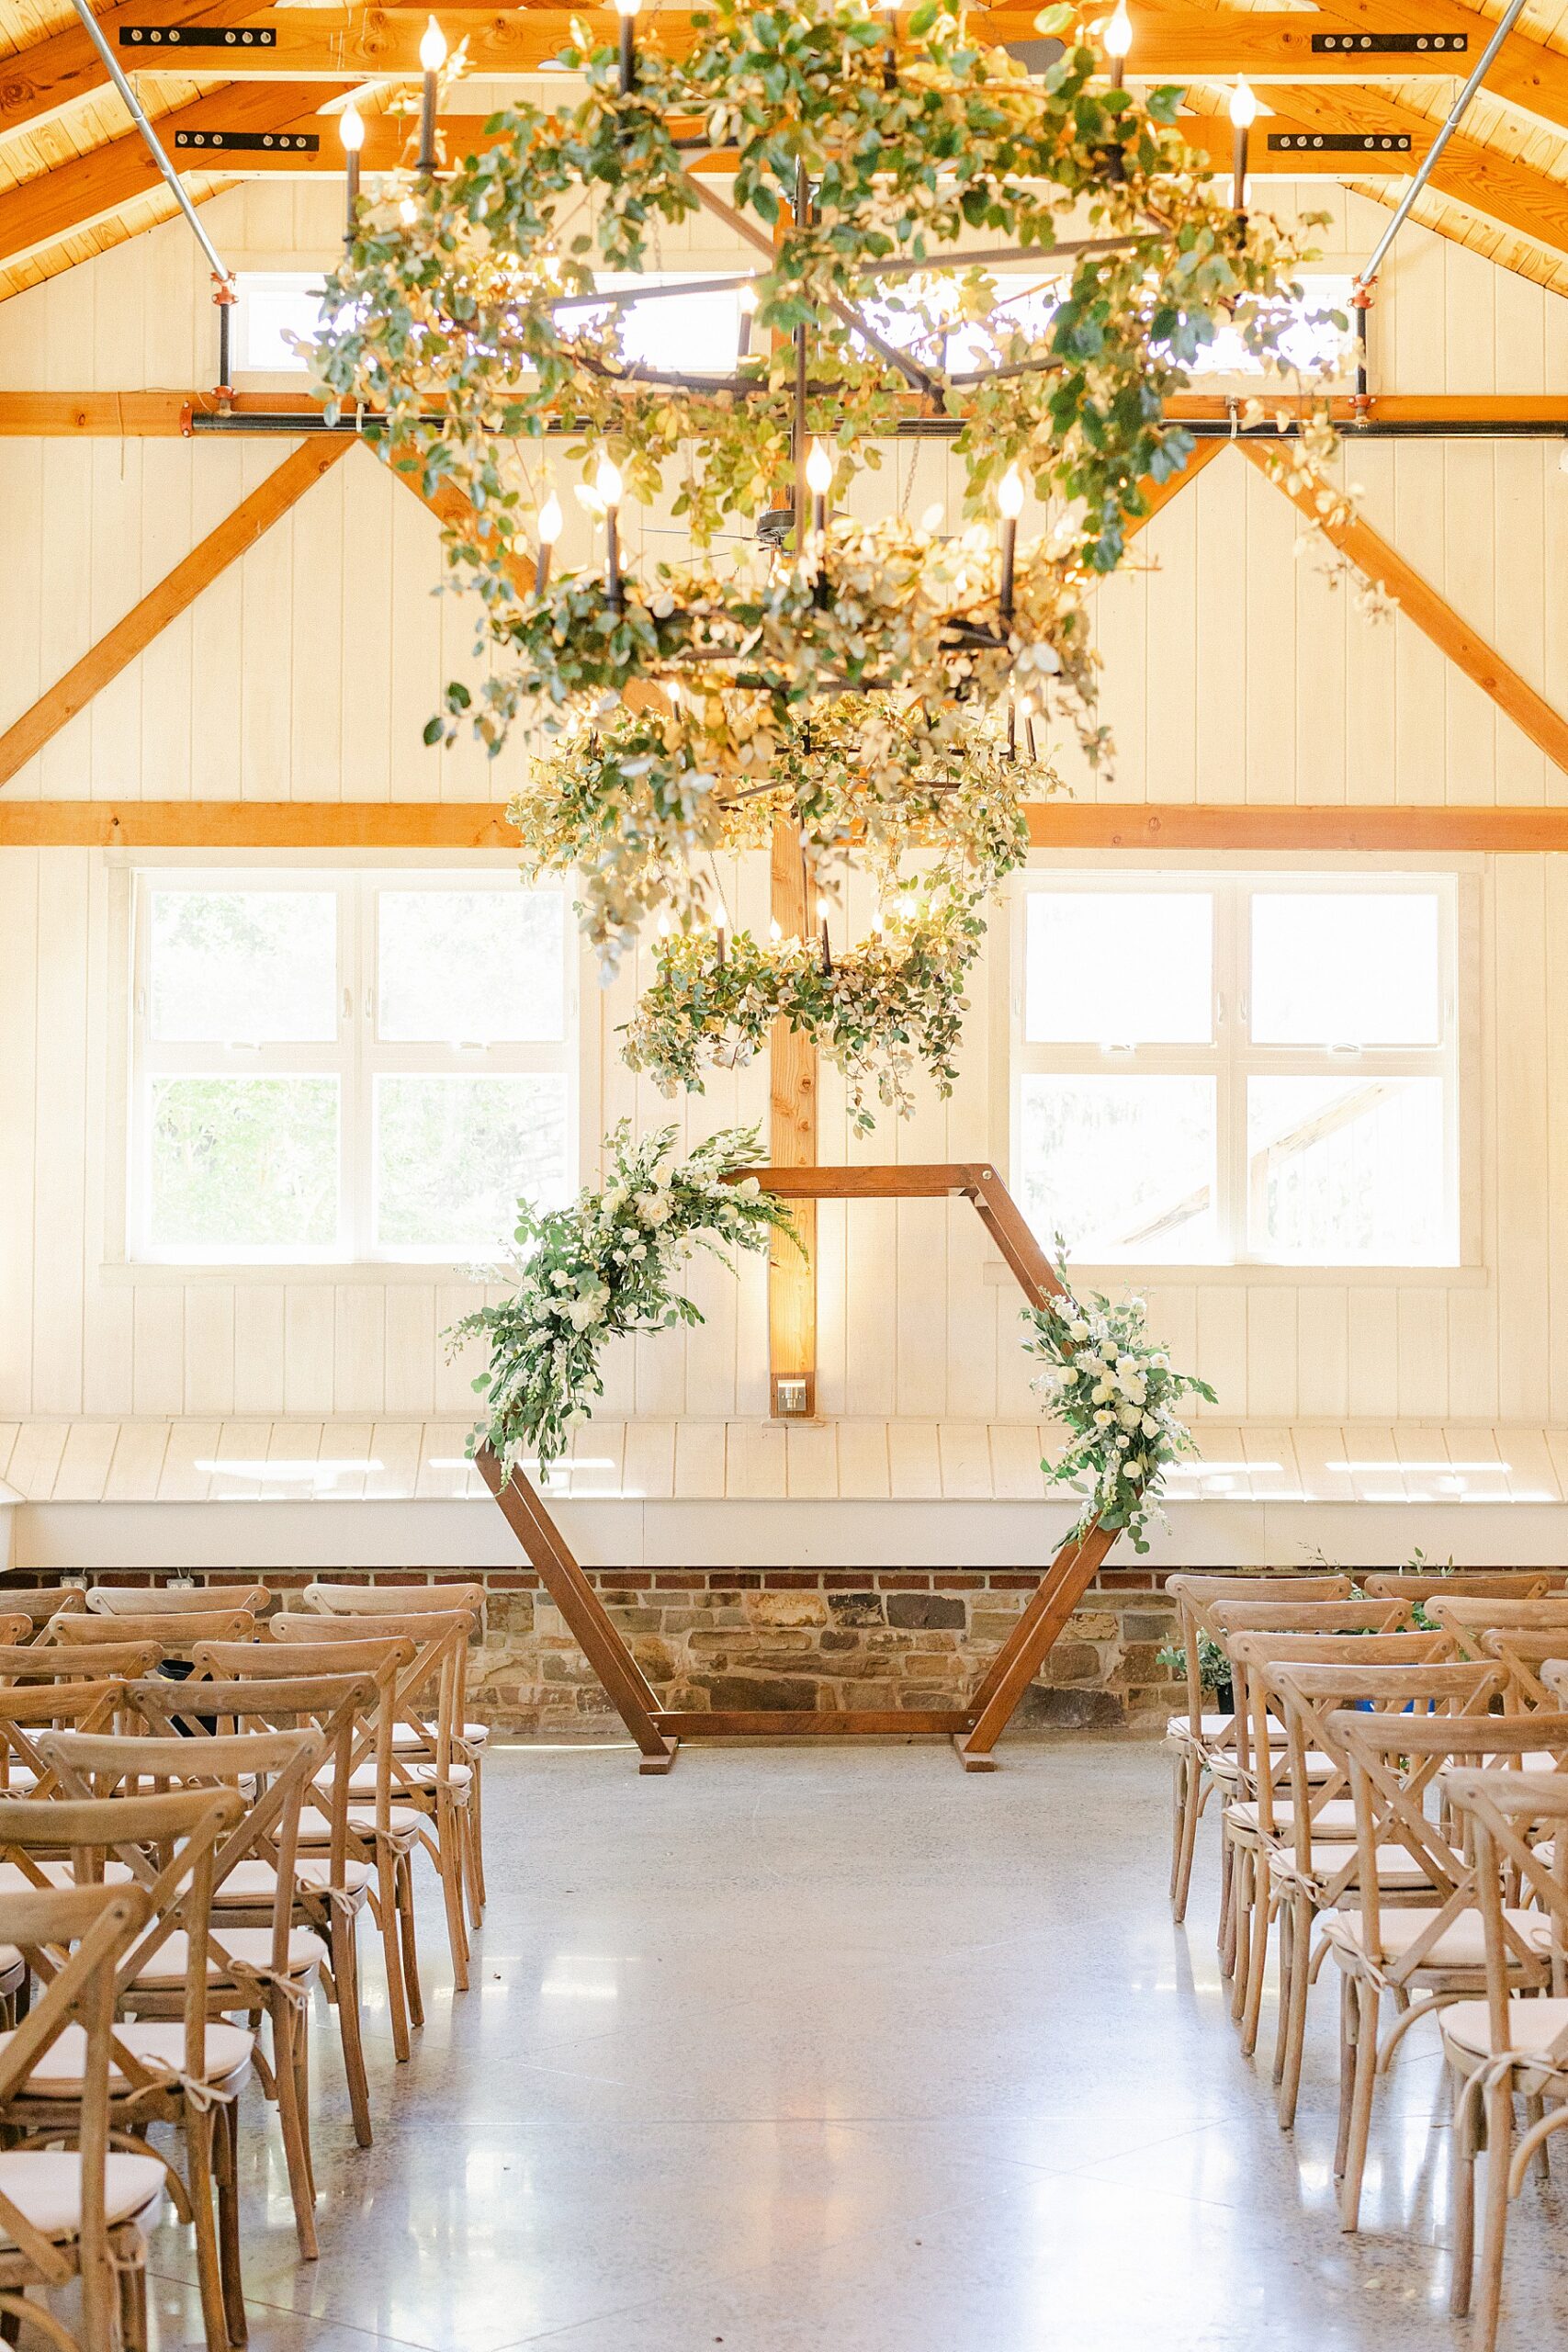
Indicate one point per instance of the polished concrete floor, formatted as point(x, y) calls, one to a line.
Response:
point(834, 2050)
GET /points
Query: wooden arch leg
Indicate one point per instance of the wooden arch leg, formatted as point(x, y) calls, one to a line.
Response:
point(631, 1692)
point(1021, 1655)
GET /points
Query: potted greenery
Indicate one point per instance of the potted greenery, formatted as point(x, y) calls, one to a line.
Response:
point(1213, 1671)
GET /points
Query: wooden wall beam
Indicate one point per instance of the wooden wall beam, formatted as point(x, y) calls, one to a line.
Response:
point(1329, 830)
point(55, 204)
point(177, 590)
point(1420, 601)
point(134, 416)
point(791, 1139)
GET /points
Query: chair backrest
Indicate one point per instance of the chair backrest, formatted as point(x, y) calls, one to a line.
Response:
point(1457, 1584)
point(175, 1635)
point(1262, 1664)
point(384, 1658)
point(162, 1600)
point(15, 1628)
point(282, 1763)
point(1499, 1809)
point(29, 1710)
point(1195, 1595)
point(393, 1600)
point(1394, 1760)
point(38, 1604)
point(337, 1706)
point(1527, 1651)
point(432, 1689)
point(75, 1939)
point(1468, 1620)
point(79, 1662)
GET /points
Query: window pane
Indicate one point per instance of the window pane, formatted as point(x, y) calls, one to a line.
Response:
point(1121, 1167)
point(245, 1163)
point(243, 966)
point(1120, 968)
point(453, 1154)
point(472, 967)
point(1346, 967)
point(1347, 1168)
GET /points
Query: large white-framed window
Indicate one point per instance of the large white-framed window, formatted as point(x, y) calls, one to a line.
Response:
point(331, 1067)
point(1239, 1069)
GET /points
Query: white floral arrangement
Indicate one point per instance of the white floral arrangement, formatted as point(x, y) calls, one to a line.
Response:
point(604, 1266)
point(1116, 1390)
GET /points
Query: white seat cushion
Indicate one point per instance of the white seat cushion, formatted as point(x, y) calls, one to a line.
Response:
point(226, 2052)
point(316, 1828)
point(257, 1881)
point(1460, 1945)
point(46, 2187)
point(1533, 2028)
point(12, 1966)
point(1333, 1823)
point(19, 1780)
point(252, 1947)
point(14, 1880)
point(1397, 1869)
point(406, 1742)
point(408, 1773)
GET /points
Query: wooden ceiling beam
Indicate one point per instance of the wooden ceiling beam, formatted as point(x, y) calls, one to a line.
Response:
point(179, 589)
point(39, 81)
point(57, 203)
point(1377, 829)
point(1481, 178)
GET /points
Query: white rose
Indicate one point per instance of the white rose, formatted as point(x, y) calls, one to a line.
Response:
point(1128, 1418)
point(749, 1188)
point(1098, 1393)
point(1104, 1420)
point(1151, 1427)
point(1077, 1329)
point(572, 1421)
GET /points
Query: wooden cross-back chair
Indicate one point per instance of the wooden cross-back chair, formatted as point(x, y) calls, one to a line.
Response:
point(76, 2212)
point(1467, 1621)
point(160, 1850)
point(1527, 1651)
point(1424, 1956)
point(431, 1780)
point(29, 1710)
point(14, 1626)
point(1235, 1771)
point(470, 1739)
point(1502, 2047)
point(41, 1603)
point(1197, 1738)
point(1300, 1804)
point(330, 1891)
point(104, 1661)
point(382, 1837)
point(269, 1970)
point(160, 1600)
point(176, 1634)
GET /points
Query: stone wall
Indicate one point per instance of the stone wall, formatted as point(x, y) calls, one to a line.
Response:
point(798, 1638)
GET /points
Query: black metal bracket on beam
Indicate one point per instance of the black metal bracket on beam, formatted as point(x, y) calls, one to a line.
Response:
point(199, 36)
point(249, 143)
point(1388, 44)
point(1338, 143)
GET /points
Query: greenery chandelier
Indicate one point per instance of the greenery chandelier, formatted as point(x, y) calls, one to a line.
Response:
point(885, 689)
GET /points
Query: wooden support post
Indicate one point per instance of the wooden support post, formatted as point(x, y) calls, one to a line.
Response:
point(792, 1069)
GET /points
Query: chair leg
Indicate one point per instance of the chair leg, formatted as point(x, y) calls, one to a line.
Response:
point(469, 1822)
point(1286, 1961)
point(1258, 1959)
point(1295, 2014)
point(1462, 2275)
point(286, 2026)
point(409, 1938)
point(1190, 1776)
point(390, 1923)
point(1366, 2015)
point(1225, 1942)
point(1243, 1899)
point(1346, 2071)
point(477, 1814)
point(1495, 2227)
point(450, 1865)
point(345, 1976)
point(134, 2306)
point(209, 2267)
point(228, 2152)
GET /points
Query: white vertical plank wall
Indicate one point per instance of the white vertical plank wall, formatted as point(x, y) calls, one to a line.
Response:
point(1234, 671)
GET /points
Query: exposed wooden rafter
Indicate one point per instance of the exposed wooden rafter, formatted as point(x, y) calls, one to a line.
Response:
point(38, 81)
point(174, 593)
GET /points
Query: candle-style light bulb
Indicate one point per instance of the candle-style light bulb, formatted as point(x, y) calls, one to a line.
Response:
point(351, 132)
point(747, 298)
point(721, 925)
point(627, 11)
point(1010, 503)
point(819, 482)
point(827, 945)
point(775, 931)
point(551, 524)
point(1243, 114)
point(1117, 40)
point(607, 482)
point(432, 58)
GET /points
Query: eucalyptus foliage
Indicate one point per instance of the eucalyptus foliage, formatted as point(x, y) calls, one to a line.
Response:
point(604, 1266)
point(1116, 1390)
